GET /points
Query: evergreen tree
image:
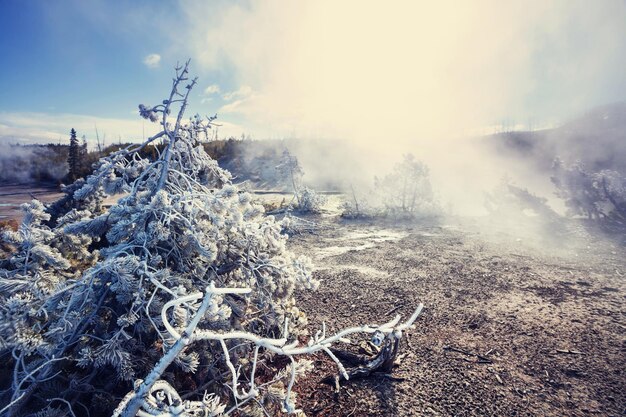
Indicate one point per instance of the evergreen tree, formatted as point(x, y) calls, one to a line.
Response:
point(83, 159)
point(73, 159)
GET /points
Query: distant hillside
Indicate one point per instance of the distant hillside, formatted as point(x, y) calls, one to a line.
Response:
point(598, 138)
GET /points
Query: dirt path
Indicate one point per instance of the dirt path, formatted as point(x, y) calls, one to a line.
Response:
point(550, 328)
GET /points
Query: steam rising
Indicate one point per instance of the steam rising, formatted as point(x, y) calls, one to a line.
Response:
point(412, 77)
point(410, 72)
point(360, 83)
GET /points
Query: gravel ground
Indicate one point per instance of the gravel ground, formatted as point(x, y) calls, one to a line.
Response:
point(549, 328)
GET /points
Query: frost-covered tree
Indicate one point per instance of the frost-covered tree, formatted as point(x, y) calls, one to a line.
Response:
point(509, 200)
point(84, 160)
point(183, 286)
point(357, 206)
point(290, 171)
point(613, 185)
point(179, 225)
point(309, 200)
point(404, 192)
point(592, 194)
point(407, 189)
point(575, 185)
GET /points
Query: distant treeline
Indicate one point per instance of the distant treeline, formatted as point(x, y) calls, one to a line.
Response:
point(248, 160)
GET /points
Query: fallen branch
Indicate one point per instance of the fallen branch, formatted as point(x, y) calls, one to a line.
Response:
point(141, 400)
point(383, 361)
point(481, 359)
point(569, 352)
point(393, 310)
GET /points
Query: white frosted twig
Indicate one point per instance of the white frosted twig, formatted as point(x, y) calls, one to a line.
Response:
point(409, 323)
point(17, 390)
point(279, 346)
point(289, 406)
point(15, 401)
point(342, 369)
point(252, 374)
point(133, 404)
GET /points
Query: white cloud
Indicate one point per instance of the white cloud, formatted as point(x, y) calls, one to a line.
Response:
point(242, 101)
point(47, 127)
point(16, 127)
point(232, 107)
point(212, 89)
point(12, 134)
point(209, 92)
point(243, 92)
point(152, 60)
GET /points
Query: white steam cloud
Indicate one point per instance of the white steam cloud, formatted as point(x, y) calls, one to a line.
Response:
point(410, 70)
point(410, 75)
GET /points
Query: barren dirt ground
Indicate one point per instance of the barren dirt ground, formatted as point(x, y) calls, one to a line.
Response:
point(11, 196)
point(550, 329)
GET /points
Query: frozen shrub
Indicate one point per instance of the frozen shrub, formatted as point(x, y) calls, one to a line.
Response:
point(508, 200)
point(357, 207)
point(592, 194)
point(403, 193)
point(575, 185)
point(352, 211)
point(613, 186)
point(306, 199)
point(406, 191)
point(309, 201)
point(290, 172)
point(82, 298)
point(182, 286)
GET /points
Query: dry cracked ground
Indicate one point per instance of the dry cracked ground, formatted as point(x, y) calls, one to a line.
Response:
point(507, 329)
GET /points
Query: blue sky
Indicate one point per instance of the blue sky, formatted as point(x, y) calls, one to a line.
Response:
point(63, 56)
point(87, 63)
point(348, 69)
